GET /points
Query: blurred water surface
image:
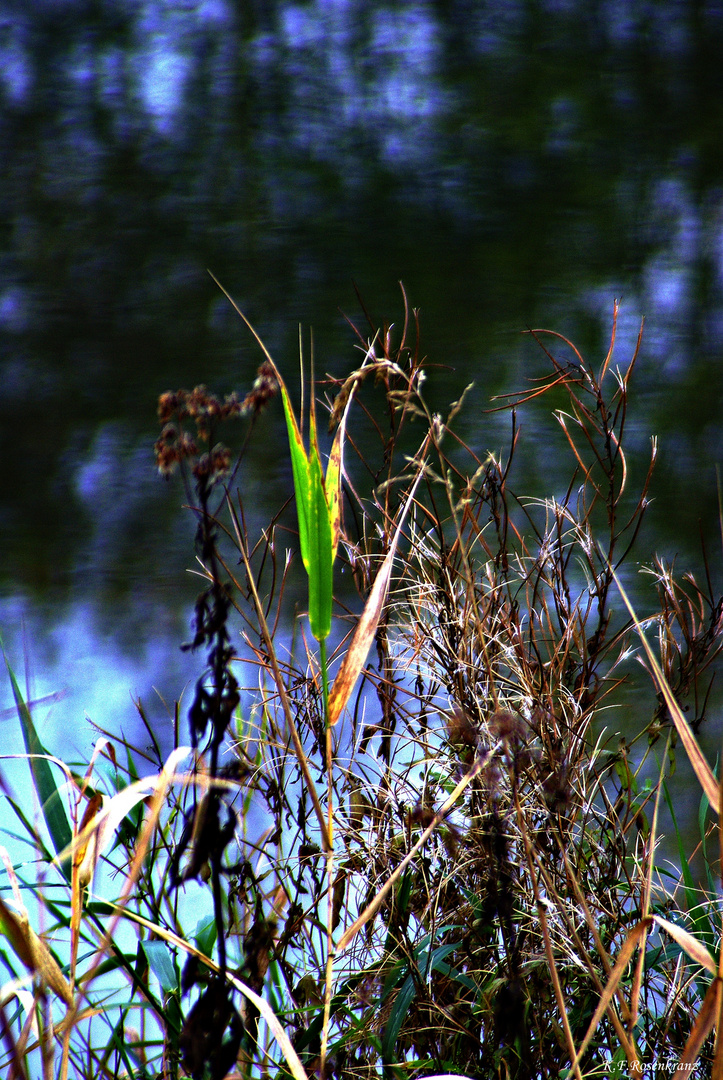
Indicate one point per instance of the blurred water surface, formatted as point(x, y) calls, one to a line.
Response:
point(516, 164)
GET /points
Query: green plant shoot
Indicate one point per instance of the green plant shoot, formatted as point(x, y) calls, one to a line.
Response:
point(318, 510)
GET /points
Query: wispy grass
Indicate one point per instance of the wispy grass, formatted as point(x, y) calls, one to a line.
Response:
point(428, 851)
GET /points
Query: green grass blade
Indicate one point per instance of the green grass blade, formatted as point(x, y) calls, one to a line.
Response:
point(205, 935)
point(47, 790)
point(320, 568)
point(393, 1025)
point(300, 472)
point(315, 519)
point(332, 486)
point(161, 963)
point(426, 961)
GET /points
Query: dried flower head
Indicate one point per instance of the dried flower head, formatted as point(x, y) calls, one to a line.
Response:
point(214, 464)
point(173, 446)
point(461, 728)
point(167, 405)
point(265, 387)
point(505, 725)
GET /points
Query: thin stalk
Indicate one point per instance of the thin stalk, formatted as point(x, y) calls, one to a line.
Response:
point(286, 704)
point(559, 996)
point(323, 660)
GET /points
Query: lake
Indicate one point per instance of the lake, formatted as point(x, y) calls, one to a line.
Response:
point(516, 165)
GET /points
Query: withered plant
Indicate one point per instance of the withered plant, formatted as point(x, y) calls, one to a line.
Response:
point(442, 857)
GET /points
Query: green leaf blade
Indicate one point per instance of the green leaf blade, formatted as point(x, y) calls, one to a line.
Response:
point(321, 556)
point(47, 790)
point(301, 474)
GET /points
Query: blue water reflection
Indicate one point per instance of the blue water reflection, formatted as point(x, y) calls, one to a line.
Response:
point(516, 165)
point(83, 678)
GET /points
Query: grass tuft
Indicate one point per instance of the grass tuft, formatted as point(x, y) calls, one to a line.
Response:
point(431, 850)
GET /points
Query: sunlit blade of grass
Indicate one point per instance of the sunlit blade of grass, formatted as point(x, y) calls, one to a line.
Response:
point(318, 507)
point(317, 499)
point(321, 556)
point(33, 952)
point(356, 654)
point(301, 476)
point(314, 514)
point(695, 948)
point(701, 767)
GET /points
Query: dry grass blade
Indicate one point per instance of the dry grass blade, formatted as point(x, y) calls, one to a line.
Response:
point(34, 953)
point(358, 650)
point(695, 755)
point(704, 1024)
point(559, 995)
point(103, 815)
point(694, 948)
point(292, 1058)
point(549, 952)
point(630, 945)
point(639, 970)
point(611, 347)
